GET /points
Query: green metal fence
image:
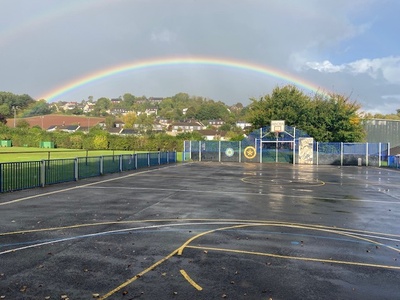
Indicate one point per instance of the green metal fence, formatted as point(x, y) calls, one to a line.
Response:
point(24, 175)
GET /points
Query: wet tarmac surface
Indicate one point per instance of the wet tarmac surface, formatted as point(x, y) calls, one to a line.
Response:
point(206, 231)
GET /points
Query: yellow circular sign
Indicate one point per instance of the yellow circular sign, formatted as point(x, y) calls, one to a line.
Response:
point(250, 152)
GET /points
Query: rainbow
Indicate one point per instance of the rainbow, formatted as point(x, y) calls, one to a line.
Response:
point(165, 62)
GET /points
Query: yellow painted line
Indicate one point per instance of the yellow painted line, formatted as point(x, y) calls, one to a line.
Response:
point(296, 257)
point(118, 288)
point(186, 245)
point(190, 280)
point(181, 248)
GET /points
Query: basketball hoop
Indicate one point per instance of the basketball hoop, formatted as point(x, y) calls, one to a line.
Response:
point(277, 134)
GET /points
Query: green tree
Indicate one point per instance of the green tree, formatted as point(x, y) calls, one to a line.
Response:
point(332, 118)
point(3, 119)
point(5, 109)
point(128, 101)
point(129, 119)
point(287, 103)
point(21, 123)
point(110, 121)
point(38, 108)
point(102, 105)
point(12, 100)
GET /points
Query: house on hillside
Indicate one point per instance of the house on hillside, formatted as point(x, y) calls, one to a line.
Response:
point(65, 128)
point(88, 107)
point(70, 105)
point(118, 111)
point(164, 121)
point(243, 124)
point(151, 111)
point(216, 123)
point(155, 100)
point(116, 101)
point(129, 131)
point(212, 135)
point(189, 126)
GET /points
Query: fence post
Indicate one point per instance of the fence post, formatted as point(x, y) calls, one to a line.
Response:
point(366, 154)
point(199, 150)
point(120, 163)
point(219, 151)
point(1, 179)
point(240, 151)
point(76, 169)
point(148, 159)
point(135, 159)
point(379, 154)
point(341, 153)
point(159, 158)
point(101, 165)
point(42, 173)
point(317, 153)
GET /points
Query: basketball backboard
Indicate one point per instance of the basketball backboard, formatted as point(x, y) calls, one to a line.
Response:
point(277, 125)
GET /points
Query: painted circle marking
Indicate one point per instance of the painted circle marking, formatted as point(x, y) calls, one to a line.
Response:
point(229, 152)
point(250, 152)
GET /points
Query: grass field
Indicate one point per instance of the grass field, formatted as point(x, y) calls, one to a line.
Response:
point(16, 154)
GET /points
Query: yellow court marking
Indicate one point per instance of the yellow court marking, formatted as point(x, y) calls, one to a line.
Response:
point(118, 288)
point(186, 245)
point(296, 257)
point(181, 248)
point(190, 280)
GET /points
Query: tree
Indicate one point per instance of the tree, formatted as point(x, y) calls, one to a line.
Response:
point(23, 124)
point(128, 101)
point(3, 119)
point(129, 119)
point(110, 121)
point(38, 108)
point(10, 100)
point(286, 103)
point(102, 105)
point(332, 118)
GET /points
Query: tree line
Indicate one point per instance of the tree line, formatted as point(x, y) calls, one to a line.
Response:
point(327, 118)
point(95, 139)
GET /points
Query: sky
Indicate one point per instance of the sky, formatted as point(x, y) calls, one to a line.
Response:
point(225, 50)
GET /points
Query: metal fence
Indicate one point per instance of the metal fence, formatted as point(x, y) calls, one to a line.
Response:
point(343, 154)
point(24, 175)
point(394, 161)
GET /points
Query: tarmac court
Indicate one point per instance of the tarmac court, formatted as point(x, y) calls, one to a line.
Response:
point(206, 231)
